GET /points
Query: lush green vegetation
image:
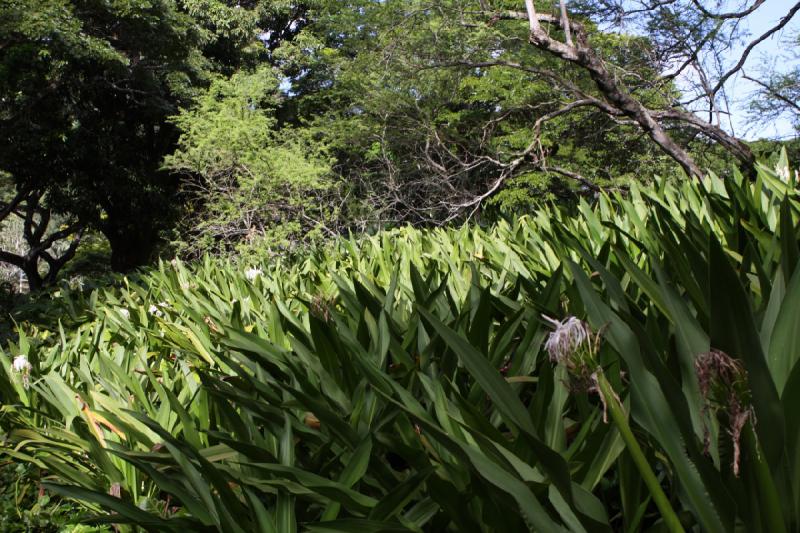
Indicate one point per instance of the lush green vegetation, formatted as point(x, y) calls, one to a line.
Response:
point(184, 127)
point(401, 382)
point(461, 265)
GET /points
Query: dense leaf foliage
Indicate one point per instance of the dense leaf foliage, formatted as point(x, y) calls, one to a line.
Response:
point(250, 183)
point(426, 106)
point(86, 93)
point(398, 382)
point(190, 126)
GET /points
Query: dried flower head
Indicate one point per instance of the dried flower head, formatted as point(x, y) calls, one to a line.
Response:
point(321, 307)
point(568, 337)
point(574, 345)
point(724, 387)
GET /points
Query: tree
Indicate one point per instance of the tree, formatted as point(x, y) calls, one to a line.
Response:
point(430, 110)
point(686, 35)
point(227, 117)
point(247, 182)
point(411, 93)
point(86, 93)
point(45, 242)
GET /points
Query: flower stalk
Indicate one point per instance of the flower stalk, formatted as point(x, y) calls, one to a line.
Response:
point(574, 345)
point(614, 407)
point(767, 493)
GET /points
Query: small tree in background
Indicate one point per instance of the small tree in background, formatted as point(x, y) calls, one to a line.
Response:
point(246, 181)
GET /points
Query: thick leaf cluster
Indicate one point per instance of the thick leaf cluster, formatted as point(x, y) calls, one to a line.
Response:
point(398, 382)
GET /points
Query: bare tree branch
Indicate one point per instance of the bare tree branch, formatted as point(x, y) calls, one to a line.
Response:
point(11, 206)
point(533, 20)
point(731, 143)
point(755, 42)
point(692, 58)
point(732, 15)
point(12, 258)
point(584, 56)
point(575, 176)
point(565, 22)
point(774, 93)
point(36, 220)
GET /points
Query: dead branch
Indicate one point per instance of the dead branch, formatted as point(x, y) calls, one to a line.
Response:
point(584, 56)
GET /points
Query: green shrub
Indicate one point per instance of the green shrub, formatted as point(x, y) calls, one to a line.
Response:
point(245, 183)
point(25, 507)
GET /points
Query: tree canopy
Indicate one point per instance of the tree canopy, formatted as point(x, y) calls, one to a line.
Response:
point(210, 124)
point(87, 90)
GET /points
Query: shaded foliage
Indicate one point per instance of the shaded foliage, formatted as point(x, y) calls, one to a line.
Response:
point(398, 382)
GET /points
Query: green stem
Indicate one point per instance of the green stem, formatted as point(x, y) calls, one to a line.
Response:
point(767, 493)
point(620, 418)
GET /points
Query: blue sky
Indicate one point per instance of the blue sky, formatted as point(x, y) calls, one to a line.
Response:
point(774, 52)
point(779, 52)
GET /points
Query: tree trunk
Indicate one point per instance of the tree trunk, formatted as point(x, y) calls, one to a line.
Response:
point(620, 101)
point(130, 249)
point(582, 55)
point(31, 270)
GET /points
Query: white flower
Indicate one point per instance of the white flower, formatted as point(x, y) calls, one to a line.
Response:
point(124, 312)
point(567, 338)
point(21, 364)
point(154, 310)
point(252, 273)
